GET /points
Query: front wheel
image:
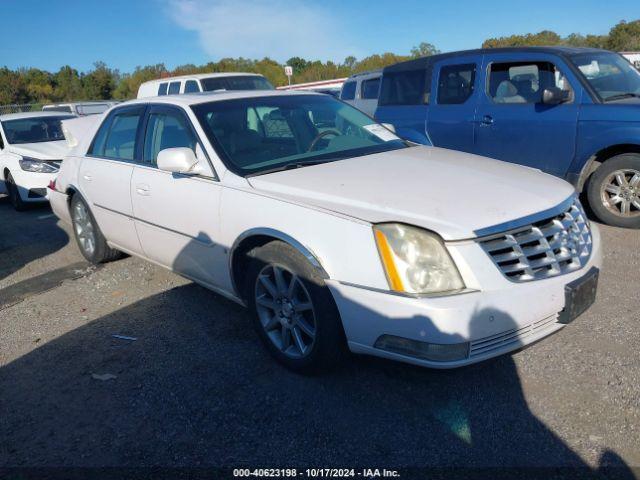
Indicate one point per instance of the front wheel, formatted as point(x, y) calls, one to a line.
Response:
point(14, 194)
point(294, 312)
point(89, 238)
point(614, 191)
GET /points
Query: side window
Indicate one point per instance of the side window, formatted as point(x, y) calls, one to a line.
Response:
point(369, 89)
point(455, 84)
point(191, 86)
point(348, 91)
point(174, 88)
point(166, 130)
point(523, 82)
point(162, 89)
point(405, 88)
point(117, 136)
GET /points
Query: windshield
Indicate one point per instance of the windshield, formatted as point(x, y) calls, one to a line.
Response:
point(34, 129)
point(243, 82)
point(610, 75)
point(260, 135)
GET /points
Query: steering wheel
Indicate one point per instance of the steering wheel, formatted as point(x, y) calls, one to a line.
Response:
point(322, 135)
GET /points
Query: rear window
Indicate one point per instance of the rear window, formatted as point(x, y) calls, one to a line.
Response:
point(162, 89)
point(348, 91)
point(405, 88)
point(370, 88)
point(174, 88)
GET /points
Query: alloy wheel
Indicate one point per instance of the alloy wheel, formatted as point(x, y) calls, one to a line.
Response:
point(84, 228)
point(285, 311)
point(620, 193)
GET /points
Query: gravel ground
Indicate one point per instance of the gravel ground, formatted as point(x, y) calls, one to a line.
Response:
point(195, 388)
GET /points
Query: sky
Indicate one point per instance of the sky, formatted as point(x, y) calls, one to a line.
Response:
point(48, 34)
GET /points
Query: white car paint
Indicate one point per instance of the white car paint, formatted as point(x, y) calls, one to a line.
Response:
point(150, 88)
point(11, 154)
point(192, 226)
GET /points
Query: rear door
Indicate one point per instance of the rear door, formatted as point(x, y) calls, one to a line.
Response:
point(515, 125)
point(177, 215)
point(105, 175)
point(451, 121)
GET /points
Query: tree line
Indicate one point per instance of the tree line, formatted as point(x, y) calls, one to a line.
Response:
point(32, 85)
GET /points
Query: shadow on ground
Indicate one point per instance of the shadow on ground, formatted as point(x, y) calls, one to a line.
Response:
point(23, 238)
point(197, 389)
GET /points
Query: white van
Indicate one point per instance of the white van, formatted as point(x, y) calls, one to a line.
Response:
point(361, 90)
point(80, 108)
point(204, 82)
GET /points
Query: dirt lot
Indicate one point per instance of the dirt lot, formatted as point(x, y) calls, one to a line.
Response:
point(195, 388)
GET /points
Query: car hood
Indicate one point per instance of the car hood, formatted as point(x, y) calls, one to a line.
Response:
point(452, 193)
point(42, 150)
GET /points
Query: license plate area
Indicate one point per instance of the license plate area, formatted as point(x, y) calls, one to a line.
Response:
point(579, 296)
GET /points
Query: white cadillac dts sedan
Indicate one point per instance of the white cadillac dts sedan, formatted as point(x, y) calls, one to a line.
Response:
point(332, 230)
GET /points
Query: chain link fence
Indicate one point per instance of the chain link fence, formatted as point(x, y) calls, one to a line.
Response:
point(27, 107)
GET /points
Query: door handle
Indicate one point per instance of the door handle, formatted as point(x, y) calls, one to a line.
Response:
point(486, 120)
point(142, 189)
point(87, 177)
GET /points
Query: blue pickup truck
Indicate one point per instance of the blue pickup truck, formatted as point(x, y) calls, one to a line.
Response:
point(571, 112)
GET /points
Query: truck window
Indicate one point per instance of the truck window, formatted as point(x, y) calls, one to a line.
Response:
point(174, 88)
point(523, 82)
point(369, 89)
point(455, 84)
point(162, 89)
point(348, 91)
point(405, 88)
point(191, 86)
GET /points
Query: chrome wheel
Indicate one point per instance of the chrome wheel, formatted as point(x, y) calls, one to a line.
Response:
point(84, 228)
point(620, 193)
point(285, 311)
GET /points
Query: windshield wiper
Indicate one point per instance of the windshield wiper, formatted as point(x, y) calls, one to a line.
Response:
point(287, 166)
point(621, 96)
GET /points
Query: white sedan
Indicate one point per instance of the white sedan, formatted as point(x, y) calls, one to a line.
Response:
point(32, 147)
point(332, 230)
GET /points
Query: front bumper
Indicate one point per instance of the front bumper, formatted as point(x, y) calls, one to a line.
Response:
point(495, 316)
point(32, 186)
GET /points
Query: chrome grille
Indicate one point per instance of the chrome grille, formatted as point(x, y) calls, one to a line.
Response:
point(546, 248)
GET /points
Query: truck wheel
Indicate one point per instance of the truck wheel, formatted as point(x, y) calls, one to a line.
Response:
point(614, 191)
point(14, 194)
point(293, 310)
point(89, 238)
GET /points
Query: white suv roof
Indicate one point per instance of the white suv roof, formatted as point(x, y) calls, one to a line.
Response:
point(40, 113)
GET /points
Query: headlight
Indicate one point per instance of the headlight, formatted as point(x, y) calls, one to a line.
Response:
point(415, 261)
point(35, 165)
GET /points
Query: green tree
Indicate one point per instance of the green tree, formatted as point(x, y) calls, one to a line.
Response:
point(425, 49)
point(128, 86)
point(67, 84)
point(298, 64)
point(100, 83)
point(624, 37)
point(545, 37)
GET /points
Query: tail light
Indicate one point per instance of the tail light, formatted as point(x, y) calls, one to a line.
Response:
point(52, 185)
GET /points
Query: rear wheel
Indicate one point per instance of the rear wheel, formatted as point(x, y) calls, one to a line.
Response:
point(89, 238)
point(614, 191)
point(14, 194)
point(294, 312)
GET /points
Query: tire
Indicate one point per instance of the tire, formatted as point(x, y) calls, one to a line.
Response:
point(317, 328)
point(605, 181)
point(14, 195)
point(89, 238)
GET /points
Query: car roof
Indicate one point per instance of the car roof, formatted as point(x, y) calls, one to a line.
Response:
point(38, 114)
point(188, 99)
point(200, 76)
point(377, 72)
point(557, 50)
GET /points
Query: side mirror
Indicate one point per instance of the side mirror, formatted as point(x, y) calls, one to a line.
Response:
point(554, 96)
point(177, 160)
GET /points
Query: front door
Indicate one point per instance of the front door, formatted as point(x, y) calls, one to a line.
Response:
point(177, 215)
point(514, 124)
point(451, 115)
